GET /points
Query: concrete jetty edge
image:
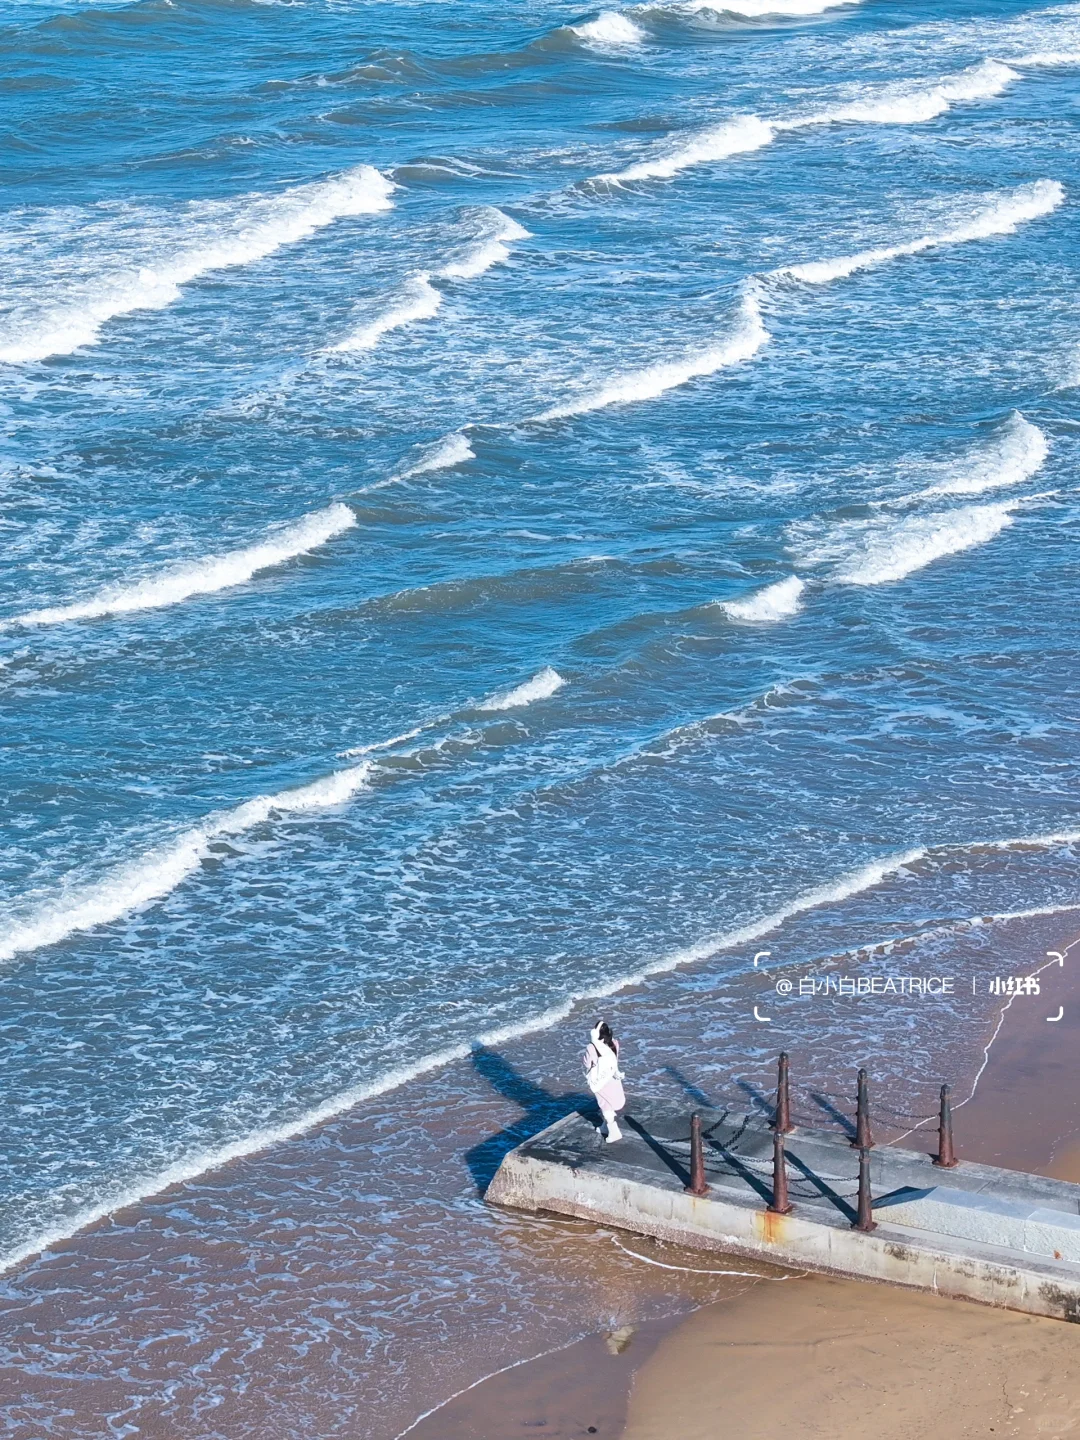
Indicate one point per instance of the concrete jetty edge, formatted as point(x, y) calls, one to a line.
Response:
point(639, 1186)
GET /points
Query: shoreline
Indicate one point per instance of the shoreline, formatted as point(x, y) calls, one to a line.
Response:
point(368, 1239)
point(671, 1382)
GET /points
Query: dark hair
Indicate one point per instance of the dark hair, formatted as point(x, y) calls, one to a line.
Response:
point(606, 1036)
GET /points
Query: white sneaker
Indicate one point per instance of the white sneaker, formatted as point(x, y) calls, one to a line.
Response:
point(613, 1133)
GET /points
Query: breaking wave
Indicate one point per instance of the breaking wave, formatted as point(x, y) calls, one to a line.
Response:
point(912, 106)
point(775, 602)
point(156, 874)
point(451, 450)
point(1003, 217)
point(189, 1167)
point(747, 133)
point(760, 9)
point(748, 337)
point(203, 577)
point(230, 237)
point(732, 137)
point(491, 248)
point(543, 684)
point(892, 549)
point(421, 300)
point(1014, 455)
point(610, 30)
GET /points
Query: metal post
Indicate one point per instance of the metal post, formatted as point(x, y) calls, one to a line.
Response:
point(946, 1155)
point(864, 1219)
point(863, 1139)
point(782, 1119)
point(781, 1205)
point(698, 1184)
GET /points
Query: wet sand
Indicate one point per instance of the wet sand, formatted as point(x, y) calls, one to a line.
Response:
point(833, 1358)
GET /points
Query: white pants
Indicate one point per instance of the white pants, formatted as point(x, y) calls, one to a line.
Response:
point(611, 1125)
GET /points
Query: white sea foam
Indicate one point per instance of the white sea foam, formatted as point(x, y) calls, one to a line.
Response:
point(543, 684)
point(732, 137)
point(420, 301)
point(1003, 217)
point(1016, 453)
point(775, 602)
point(190, 1166)
point(890, 550)
point(203, 577)
point(746, 133)
point(491, 248)
point(748, 336)
point(913, 106)
point(194, 1164)
point(453, 449)
point(759, 9)
point(1048, 58)
point(225, 237)
point(81, 907)
point(610, 30)
point(383, 744)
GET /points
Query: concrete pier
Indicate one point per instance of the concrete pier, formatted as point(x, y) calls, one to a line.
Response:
point(974, 1231)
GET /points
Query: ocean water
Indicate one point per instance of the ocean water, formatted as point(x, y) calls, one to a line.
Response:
point(497, 502)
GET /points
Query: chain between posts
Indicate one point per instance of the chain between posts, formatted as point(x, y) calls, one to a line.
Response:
point(862, 1140)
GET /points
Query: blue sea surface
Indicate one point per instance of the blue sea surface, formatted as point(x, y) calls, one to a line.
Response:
point(495, 500)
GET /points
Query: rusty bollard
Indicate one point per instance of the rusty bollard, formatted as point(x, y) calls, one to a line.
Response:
point(781, 1205)
point(864, 1218)
point(946, 1155)
point(782, 1119)
point(863, 1139)
point(698, 1184)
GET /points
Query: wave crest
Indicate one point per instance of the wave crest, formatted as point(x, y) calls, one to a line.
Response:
point(156, 874)
point(774, 602)
point(747, 338)
point(257, 229)
point(203, 577)
point(1015, 454)
point(543, 684)
point(894, 549)
point(1003, 217)
point(609, 31)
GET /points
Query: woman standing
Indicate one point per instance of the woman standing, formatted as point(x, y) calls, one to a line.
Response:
point(604, 1078)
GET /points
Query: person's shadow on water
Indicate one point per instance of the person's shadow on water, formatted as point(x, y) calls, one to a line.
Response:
point(540, 1108)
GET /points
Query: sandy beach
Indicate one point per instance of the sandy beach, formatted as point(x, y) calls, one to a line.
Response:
point(821, 1356)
